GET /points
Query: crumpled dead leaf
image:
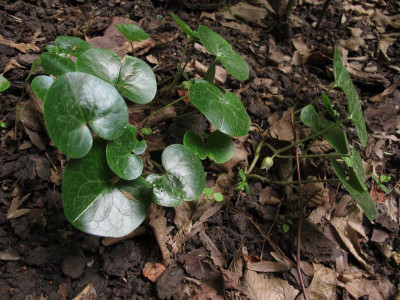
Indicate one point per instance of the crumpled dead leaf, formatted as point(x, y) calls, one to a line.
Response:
point(323, 284)
point(14, 211)
point(385, 41)
point(249, 13)
point(280, 127)
point(300, 56)
point(317, 193)
point(386, 93)
point(158, 222)
point(88, 293)
point(275, 55)
point(216, 256)
point(220, 73)
point(355, 42)
point(320, 146)
point(153, 270)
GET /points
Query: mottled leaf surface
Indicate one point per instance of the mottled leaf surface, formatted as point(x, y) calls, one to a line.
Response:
point(352, 185)
point(56, 65)
point(71, 45)
point(122, 154)
point(131, 76)
point(76, 101)
point(96, 206)
point(225, 111)
point(219, 147)
point(219, 47)
point(343, 81)
point(40, 85)
point(184, 180)
point(335, 135)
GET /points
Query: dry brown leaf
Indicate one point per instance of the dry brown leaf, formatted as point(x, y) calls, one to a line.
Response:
point(216, 256)
point(268, 266)
point(35, 139)
point(275, 55)
point(207, 15)
point(22, 47)
point(385, 42)
point(266, 198)
point(323, 284)
point(238, 26)
point(180, 237)
point(183, 213)
point(9, 255)
point(14, 211)
point(248, 13)
point(260, 287)
point(88, 293)
point(356, 283)
point(12, 64)
point(220, 73)
point(166, 114)
point(158, 222)
point(153, 270)
point(151, 59)
point(316, 192)
point(266, 82)
point(386, 93)
point(280, 127)
point(320, 146)
point(300, 56)
point(206, 292)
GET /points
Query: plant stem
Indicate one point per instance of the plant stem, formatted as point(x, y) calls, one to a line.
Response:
point(140, 125)
point(133, 49)
point(279, 182)
point(333, 155)
point(315, 100)
point(210, 74)
point(256, 157)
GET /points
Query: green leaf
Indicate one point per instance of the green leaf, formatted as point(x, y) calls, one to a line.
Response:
point(360, 195)
point(56, 65)
point(385, 178)
point(132, 32)
point(51, 48)
point(335, 135)
point(343, 81)
point(242, 175)
point(218, 197)
point(219, 47)
point(355, 163)
point(76, 100)
point(208, 191)
point(225, 111)
point(131, 76)
point(186, 29)
point(96, 206)
point(71, 45)
point(4, 84)
point(185, 178)
point(219, 146)
point(328, 105)
point(122, 154)
point(40, 85)
point(285, 228)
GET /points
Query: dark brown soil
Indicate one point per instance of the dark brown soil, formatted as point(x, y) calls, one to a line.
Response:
point(48, 258)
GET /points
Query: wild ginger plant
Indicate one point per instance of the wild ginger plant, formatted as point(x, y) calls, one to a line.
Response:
point(86, 116)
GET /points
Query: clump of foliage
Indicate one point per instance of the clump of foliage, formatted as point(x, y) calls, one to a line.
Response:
point(86, 115)
point(4, 84)
point(351, 171)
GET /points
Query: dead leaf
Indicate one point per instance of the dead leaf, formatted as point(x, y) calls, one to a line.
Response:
point(180, 237)
point(35, 139)
point(238, 26)
point(206, 292)
point(183, 213)
point(218, 259)
point(280, 127)
point(386, 93)
point(151, 59)
point(22, 47)
point(63, 291)
point(266, 82)
point(266, 198)
point(158, 222)
point(320, 146)
point(385, 42)
point(248, 13)
point(316, 193)
point(268, 266)
point(220, 73)
point(323, 284)
point(275, 55)
point(260, 287)
point(166, 114)
point(207, 15)
point(88, 293)
point(9, 255)
point(153, 270)
point(300, 56)
point(14, 211)
point(12, 64)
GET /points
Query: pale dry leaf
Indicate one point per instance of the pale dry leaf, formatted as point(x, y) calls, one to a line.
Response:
point(275, 55)
point(320, 146)
point(266, 82)
point(183, 213)
point(151, 59)
point(236, 265)
point(208, 15)
point(35, 139)
point(266, 198)
point(268, 266)
point(9, 255)
point(320, 214)
point(316, 192)
point(158, 222)
point(153, 270)
point(22, 47)
point(260, 287)
point(88, 293)
point(248, 13)
point(14, 211)
point(216, 256)
point(323, 284)
point(200, 48)
point(220, 73)
point(385, 42)
point(280, 127)
point(180, 237)
point(285, 69)
point(300, 43)
point(356, 282)
point(12, 64)
point(238, 26)
point(262, 3)
point(386, 93)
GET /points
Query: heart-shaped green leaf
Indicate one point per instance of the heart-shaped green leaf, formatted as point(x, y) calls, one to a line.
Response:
point(122, 154)
point(71, 45)
point(185, 178)
point(93, 204)
point(219, 146)
point(40, 85)
point(343, 81)
point(131, 76)
point(186, 29)
point(219, 47)
point(4, 84)
point(56, 65)
point(335, 135)
point(76, 100)
point(225, 111)
point(352, 185)
point(132, 32)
